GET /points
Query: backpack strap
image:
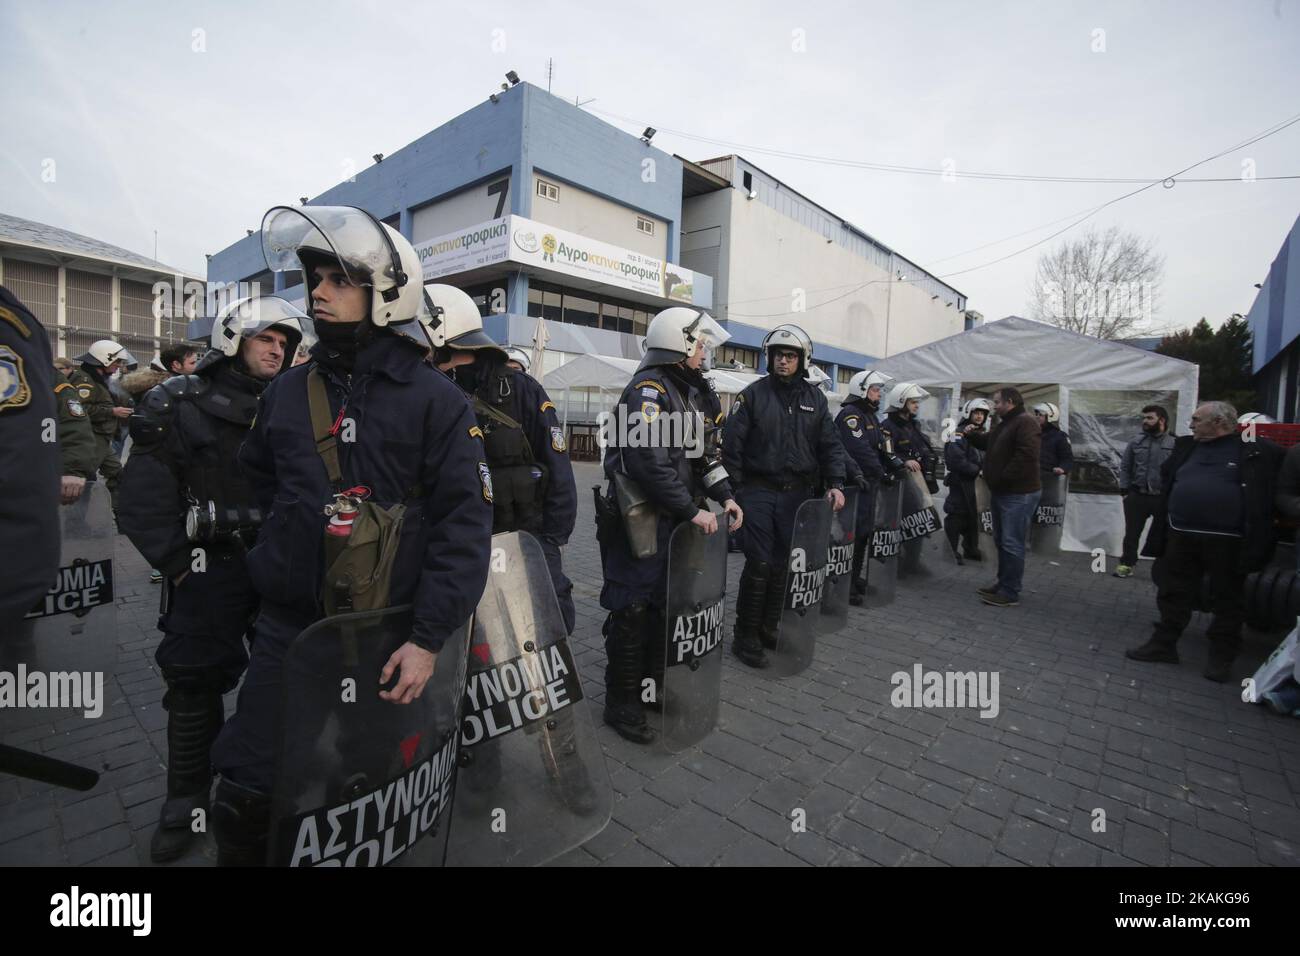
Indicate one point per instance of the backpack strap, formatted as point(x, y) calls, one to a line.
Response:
point(323, 428)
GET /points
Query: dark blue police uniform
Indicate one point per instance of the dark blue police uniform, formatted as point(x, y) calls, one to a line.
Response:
point(415, 441)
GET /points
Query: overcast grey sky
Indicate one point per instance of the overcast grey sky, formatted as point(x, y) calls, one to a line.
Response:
point(146, 132)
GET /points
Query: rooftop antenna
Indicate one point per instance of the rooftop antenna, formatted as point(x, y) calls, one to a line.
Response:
point(550, 70)
point(155, 245)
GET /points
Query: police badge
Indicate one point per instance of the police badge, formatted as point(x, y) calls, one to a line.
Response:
point(557, 438)
point(14, 390)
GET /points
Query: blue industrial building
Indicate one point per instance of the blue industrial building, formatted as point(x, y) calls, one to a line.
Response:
point(540, 210)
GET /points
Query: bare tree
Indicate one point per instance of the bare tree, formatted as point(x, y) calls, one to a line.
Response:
point(1103, 284)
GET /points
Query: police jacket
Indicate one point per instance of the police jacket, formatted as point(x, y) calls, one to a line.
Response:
point(1259, 462)
point(963, 462)
point(670, 475)
point(910, 443)
point(865, 442)
point(532, 478)
point(414, 440)
point(185, 437)
point(77, 446)
point(96, 399)
point(1056, 451)
point(29, 464)
point(782, 433)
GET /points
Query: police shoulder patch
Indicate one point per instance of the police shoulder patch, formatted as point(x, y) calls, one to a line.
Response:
point(546, 405)
point(485, 476)
point(14, 390)
point(649, 411)
point(651, 383)
point(75, 409)
point(84, 391)
point(16, 322)
point(851, 422)
point(475, 432)
point(557, 439)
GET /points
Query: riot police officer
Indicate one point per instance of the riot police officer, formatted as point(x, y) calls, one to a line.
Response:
point(964, 461)
point(1056, 457)
point(779, 444)
point(912, 445)
point(870, 448)
point(183, 500)
point(657, 479)
point(518, 359)
point(532, 478)
point(106, 414)
point(29, 461)
point(402, 435)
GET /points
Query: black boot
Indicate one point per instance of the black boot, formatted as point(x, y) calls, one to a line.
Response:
point(624, 662)
point(656, 651)
point(241, 822)
point(858, 587)
point(750, 602)
point(194, 716)
point(769, 629)
point(953, 530)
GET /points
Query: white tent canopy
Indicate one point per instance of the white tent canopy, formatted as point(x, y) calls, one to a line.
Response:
point(1103, 383)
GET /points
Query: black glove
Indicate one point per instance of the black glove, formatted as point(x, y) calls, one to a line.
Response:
point(861, 482)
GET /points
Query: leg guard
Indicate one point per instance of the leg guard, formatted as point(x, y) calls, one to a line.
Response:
point(625, 634)
point(241, 822)
point(656, 649)
point(746, 644)
point(773, 604)
point(194, 716)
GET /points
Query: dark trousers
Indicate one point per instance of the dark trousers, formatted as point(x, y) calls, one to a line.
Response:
point(1137, 509)
point(769, 522)
point(1188, 560)
point(208, 617)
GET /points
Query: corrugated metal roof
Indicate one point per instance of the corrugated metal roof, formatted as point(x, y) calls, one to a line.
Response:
point(39, 235)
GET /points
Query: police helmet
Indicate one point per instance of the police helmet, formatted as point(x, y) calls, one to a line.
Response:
point(978, 405)
point(1049, 411)
point(1257, 418)
point(675, 333)
point(789, 337)
point(371, 254)
point(105, 352)
point(515, 354)
point(247, 317)
point(860, 383)
point(900, 393)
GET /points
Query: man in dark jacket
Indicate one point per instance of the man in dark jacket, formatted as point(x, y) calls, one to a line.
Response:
point(186, 433)
point(1140, 483)
point(963, 461)
point(1011, 470)
point(403, 434)
point(779, 444)
point(902, 429)
point(1216, 518)
point(1055, 457)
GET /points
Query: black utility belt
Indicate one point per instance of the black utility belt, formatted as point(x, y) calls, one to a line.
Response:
point(770, 485)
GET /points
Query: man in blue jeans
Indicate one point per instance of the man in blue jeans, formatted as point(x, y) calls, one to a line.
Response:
point(1011, 470)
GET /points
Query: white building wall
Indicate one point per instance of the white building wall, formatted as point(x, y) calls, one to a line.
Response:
point(588, 215)
point(847, 299)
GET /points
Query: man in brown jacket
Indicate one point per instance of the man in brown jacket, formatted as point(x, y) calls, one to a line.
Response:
point(1011, 470)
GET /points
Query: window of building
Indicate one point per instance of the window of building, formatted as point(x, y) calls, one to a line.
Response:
point(548, 190)
point(845, 374)
point(592, 310)
point(580, 311)
point(734, 353)
point(490, 297)
point(645, 225)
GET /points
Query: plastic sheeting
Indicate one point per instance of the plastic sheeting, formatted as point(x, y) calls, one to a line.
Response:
point(1099, 386)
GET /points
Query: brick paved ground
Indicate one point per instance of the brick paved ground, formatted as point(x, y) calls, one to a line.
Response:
point(1185, 772)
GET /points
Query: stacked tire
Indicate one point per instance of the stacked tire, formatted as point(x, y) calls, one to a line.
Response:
point(1272, 598)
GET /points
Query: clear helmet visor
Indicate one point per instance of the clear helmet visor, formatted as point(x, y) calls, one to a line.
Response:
point(710, 336)
point(350, 235)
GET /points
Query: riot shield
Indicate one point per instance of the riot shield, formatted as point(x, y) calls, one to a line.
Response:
point(1049, 519)
point(533, 783)
point(839, 565)
point(359, 780)
point(805, 582)
point(693, 613)
point(984, 505)
point(64, 650)
point(920, 519)
point(886, 543)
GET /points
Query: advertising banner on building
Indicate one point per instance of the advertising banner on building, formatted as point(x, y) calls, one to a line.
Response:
point(547, 249)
